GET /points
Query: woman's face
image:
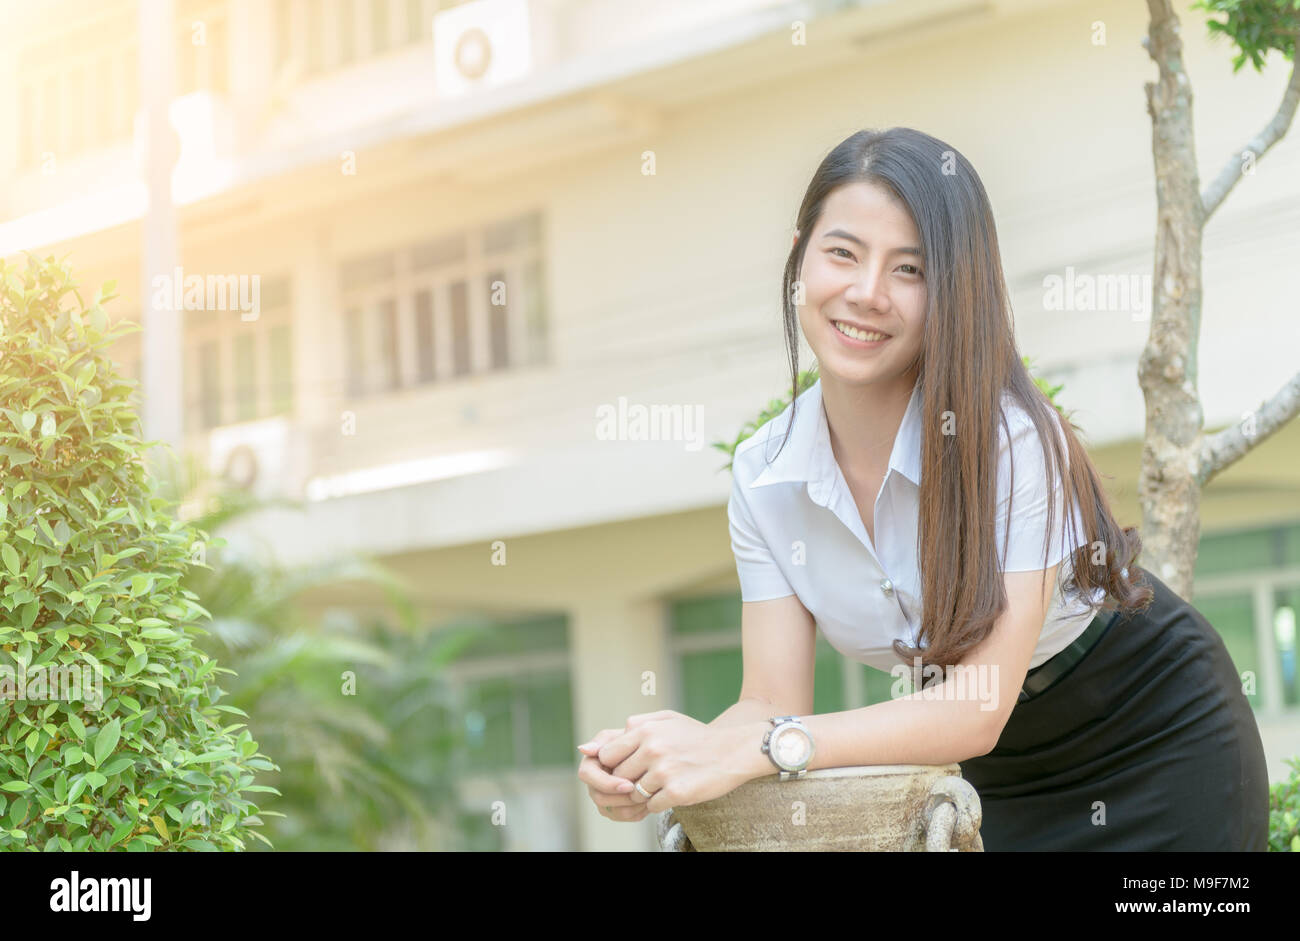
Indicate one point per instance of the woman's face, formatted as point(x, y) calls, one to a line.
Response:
point(862, 268)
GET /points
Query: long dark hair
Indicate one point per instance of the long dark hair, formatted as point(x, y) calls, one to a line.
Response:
point(968, 321)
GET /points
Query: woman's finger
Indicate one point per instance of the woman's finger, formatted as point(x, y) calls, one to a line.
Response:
point(644, 717)
point(604, 798)
point(624, 814)
point(594, 774)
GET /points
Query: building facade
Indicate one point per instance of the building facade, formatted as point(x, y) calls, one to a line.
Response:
point(431, 253)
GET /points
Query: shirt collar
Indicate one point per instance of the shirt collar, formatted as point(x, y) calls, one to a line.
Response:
point(808, 457)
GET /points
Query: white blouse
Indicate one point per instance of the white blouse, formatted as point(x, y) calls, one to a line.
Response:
point(809, 541)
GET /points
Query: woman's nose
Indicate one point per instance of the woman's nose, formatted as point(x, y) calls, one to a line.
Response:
point(868, 290)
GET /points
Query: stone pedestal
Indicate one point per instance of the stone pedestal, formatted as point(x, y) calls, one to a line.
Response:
point(875, 808)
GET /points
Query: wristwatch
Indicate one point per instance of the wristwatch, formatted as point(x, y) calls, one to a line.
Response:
point(790, 746)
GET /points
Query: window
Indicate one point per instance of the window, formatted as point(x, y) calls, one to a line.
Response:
point(202, 50)
point(347, 31)
point(325, 35)
point(239, 370)
point(1233, 616)
point(245, 377)
point(706, 641)
point(497, 317)
point(452, 306)
point(209, 402)
point(281, 369)
point(516, 695)
point(1285, 608)
point(80, 89)
point(283, 33)
point(512, 683)
point(460, 328)
point(1247, 589)
point(378, 26)
point(424, 334)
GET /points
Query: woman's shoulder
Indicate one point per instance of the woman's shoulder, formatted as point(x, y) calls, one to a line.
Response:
point(1020, 429)
point(776, 436)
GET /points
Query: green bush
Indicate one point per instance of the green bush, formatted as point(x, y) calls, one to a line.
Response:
point(1284, 812)
point(134, 756)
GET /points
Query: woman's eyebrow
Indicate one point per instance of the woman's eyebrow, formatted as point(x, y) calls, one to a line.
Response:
point(841, 234)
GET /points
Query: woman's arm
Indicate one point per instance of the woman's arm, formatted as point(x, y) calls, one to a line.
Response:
point(922, 728)
point(747, 712)
point(778, 644)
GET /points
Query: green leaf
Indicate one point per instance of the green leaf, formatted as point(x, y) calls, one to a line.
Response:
point(12, 562)
point(121, 830)
point(17, 458)
point(15, 786)
point(221, 755)
point(117, 765)
point(77, 787)
point(107, 740)
point(78, 729)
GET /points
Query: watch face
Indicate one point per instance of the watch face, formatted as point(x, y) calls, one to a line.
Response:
point(791, 747)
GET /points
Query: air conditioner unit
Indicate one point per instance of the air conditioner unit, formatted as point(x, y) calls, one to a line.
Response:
point(253, 456)
point(482, 44)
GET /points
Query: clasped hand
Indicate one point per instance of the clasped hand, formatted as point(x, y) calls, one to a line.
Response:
point(678, 760)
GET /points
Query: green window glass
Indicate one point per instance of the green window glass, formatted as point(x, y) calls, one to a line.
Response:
point(1221, 553)
point(478, 834)
point(245, 378)
point(281, 369)
point(489, 725)
point(548, 703)
point(1233, 616)
point(711, 679)
point(710, 682)
point(1286, 614)
point(209, 386)
point(523, 716)
point(828, 686)
point(705, 615)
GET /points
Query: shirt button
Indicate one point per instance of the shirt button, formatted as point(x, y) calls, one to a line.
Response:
point(887, 586)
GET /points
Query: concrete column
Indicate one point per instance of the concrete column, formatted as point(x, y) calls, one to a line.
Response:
point(316, 351)
point(613, 643)
point(161, 343)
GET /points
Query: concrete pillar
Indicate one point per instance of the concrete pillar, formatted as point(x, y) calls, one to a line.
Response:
point(614, 643)
point(161, 343)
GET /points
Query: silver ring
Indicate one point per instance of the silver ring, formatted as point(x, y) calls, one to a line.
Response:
point(642, 791)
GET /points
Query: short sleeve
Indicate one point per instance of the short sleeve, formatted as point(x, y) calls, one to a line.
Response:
point(1028, 505)
point(760, 578)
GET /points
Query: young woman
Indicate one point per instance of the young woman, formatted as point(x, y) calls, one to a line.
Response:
point(903, 507)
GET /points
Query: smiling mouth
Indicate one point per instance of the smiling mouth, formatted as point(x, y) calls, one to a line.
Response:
point(864, 336)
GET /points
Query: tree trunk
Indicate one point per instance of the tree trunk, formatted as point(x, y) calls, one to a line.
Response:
point(1169, 487)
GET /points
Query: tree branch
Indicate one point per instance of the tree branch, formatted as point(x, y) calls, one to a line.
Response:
point(1273, 132)
point(1221, 450)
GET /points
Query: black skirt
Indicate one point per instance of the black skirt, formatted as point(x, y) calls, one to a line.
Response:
point(1148, 743)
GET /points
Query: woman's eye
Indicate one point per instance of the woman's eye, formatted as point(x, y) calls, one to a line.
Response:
point(915, 270)
point(846, 252)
